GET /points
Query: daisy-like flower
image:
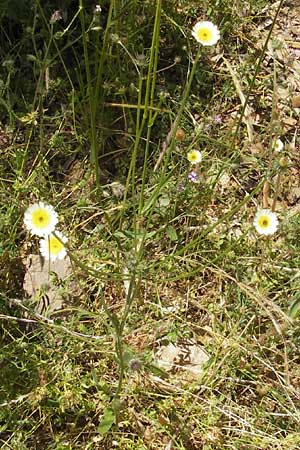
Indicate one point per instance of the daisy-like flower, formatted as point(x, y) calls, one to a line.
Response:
point(40, 219)
point(194, 156)
point(206, 33)
point(277, 145)
point(52, 246)
point(265, 222)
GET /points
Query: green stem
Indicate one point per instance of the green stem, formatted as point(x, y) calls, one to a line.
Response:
point(120, 355)
point(185, 97)
point(171, 140)
point(152, 115)
point(149, 95)
point(171, 137)
point(98, 85)
point(93, 143)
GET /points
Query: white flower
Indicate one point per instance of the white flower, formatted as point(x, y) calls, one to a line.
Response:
point(40, 219)
point(265, 222)
point(194, 156)
point(277, 145)
point(52, 246)
point(206, 33)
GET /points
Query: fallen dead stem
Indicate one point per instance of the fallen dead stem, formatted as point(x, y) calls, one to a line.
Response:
point(38, 318)
point(247, 113)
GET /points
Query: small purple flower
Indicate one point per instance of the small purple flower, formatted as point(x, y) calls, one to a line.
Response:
point(193, 176)
point(217, 118)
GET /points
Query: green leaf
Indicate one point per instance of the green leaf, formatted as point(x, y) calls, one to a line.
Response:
point(171, 233)
point(294, 309)
point(164, 201)
point(107, 421)
point(31, 58)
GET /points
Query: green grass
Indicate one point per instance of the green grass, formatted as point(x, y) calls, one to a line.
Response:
point(90, 111)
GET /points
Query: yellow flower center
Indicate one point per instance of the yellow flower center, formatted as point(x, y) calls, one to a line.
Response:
point(54, 245)
point(204, 34)
point(193, 156)
point(40, 218)
point(264, 222)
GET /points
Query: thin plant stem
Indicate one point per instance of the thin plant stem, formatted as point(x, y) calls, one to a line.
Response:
point(151, 117)
point(226, 216)
point(140, 123)
point(257, 69)
point(103, 56)
point(94, 93)
point(250, 90)
point(94, 150)
point(150, 86)
point(171, 136)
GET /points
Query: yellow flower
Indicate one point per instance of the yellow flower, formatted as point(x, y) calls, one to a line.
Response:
point(265, 222)
point(206, 33)
point(194, 156)
point(40, 219)
point(52, 246)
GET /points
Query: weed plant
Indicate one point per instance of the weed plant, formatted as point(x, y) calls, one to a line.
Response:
point(174, 170)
